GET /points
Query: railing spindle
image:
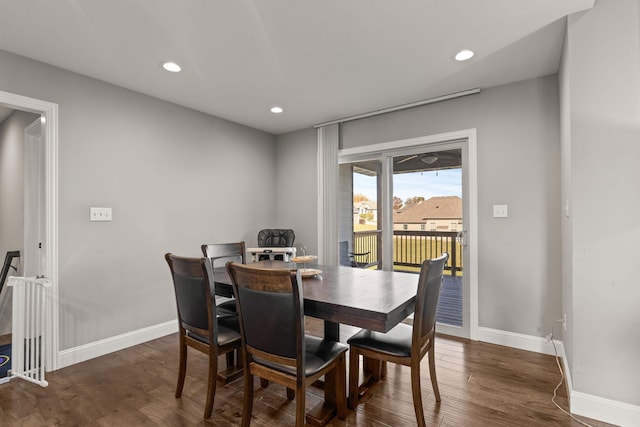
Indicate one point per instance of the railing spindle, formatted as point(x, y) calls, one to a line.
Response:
point(410, 247)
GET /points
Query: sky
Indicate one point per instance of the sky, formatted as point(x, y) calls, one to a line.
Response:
point(407, 185)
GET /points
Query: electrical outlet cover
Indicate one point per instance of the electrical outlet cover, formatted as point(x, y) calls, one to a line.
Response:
point(500, 211)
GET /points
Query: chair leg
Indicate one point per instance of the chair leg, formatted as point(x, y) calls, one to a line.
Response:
point(248, 398)
point(300, 409)
point(341, 387)
point(291, 393)
point(354, 377)
point(375, 367)
point(213, 380)
point(417, 393)
point(432, 372)
point(182, 369)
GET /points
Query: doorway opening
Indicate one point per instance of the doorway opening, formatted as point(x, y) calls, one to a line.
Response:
point(41, 228)
point(427, 220)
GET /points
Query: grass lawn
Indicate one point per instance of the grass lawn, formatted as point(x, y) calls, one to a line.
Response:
point(364, 227)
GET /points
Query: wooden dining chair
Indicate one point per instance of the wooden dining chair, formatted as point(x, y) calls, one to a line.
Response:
point(274, 345)
point(219, 254)
point(404, 344)
point(198, 325)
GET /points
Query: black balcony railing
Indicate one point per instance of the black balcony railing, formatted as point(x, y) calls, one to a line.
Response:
point(410, 248)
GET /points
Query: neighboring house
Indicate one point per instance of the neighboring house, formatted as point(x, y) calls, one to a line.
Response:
point(435, 214)
point(365, 211)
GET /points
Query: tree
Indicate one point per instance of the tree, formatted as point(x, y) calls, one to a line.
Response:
point(413, 201)
point(397, 203)
point(359, 198)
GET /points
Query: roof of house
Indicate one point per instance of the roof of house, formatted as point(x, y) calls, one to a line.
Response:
point(445, 207)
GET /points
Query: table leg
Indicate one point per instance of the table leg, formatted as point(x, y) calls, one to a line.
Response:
point(331, 331)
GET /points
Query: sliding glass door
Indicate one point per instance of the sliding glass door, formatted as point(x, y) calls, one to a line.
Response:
point(405, 205)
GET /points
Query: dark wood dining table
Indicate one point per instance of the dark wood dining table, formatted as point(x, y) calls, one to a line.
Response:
point(370, 299)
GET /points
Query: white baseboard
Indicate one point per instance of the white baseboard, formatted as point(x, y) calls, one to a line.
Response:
point(520, 341)
point(607, 410)
point(581, 404)
point(109, 345)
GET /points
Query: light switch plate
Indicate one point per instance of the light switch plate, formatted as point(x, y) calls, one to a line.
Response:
point(500, 211)
point(100, 214)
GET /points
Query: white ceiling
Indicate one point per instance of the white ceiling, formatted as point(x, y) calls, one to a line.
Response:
point(319, 60)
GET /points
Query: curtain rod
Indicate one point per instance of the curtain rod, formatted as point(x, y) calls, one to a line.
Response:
point(401, 107)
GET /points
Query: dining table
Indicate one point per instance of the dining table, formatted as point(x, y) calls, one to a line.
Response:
point(371, 299)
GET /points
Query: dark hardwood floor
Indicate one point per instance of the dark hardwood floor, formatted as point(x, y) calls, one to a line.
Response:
point(480, 385)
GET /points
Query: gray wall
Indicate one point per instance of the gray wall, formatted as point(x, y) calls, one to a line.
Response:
point(175, 179)
point(518, 164)
point(601, 111)
point(11, 199)
point(523, 286)
point(567, 203)
point(297, 178)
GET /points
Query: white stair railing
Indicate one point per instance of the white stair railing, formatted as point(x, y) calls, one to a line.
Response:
point(28, 328)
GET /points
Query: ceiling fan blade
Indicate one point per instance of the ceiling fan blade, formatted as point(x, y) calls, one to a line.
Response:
point(406, 159)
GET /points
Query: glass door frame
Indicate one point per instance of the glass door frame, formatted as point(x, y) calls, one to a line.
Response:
point(384, 152)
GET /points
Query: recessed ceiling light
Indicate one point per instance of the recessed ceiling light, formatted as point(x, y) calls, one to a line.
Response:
point(276, 110)
point(464, 54)
point(171, 66)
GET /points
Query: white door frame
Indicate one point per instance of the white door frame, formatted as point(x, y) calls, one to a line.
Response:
point(33, 263)
point(49, 112)
point(471, 238)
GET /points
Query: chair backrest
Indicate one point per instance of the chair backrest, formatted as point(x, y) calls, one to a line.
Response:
point(427, 297)
point(270, 309)
point(345, 259)
point(194, 299)
point(224, 252)
point(276, 238)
